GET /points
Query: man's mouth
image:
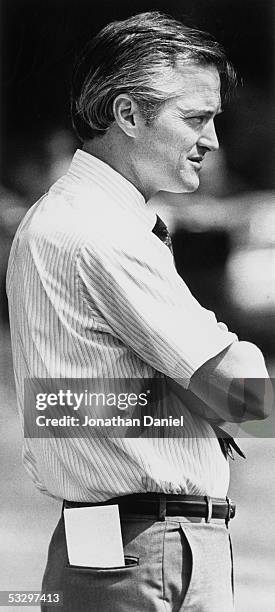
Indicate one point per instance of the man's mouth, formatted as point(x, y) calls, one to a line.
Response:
point(196, 161)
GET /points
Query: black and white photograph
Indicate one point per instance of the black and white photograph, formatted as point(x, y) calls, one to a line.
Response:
point(137, 306)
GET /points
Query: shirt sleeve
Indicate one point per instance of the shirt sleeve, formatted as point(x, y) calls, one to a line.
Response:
point(133, 282)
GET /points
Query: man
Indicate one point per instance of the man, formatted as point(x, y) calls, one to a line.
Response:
point(94, 293)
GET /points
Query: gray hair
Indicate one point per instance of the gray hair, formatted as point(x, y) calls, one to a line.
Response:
point(138, 56)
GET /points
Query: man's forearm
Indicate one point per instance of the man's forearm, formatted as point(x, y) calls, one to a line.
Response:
point(221, 408)
point(194, 404)
point(235, 385)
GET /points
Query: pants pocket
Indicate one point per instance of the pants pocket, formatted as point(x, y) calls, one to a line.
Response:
point(177, 566)
point(96, 589)
point(135, 587)
point(130, 563)
point(210, 587)
point(232, 566)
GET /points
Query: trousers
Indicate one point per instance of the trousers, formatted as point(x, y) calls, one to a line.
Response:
point(174, 565)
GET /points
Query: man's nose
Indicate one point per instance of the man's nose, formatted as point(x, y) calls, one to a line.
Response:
point(208, 138)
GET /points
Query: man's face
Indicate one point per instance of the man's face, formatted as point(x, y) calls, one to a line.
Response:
point(169, 153)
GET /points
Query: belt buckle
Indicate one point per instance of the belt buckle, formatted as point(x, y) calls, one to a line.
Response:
point(230, 510)
point(208, 501)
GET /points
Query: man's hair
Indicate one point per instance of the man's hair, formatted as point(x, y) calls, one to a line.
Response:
point(138, 56)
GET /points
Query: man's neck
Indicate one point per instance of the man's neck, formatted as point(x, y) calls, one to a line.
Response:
point(114, 151)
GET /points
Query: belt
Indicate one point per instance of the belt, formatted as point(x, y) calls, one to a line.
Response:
point(160, 505)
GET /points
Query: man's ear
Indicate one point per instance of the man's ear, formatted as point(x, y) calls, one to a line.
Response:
point(126, 114)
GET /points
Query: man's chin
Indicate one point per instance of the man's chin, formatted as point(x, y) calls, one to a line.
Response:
point(186, 187)
point(189, 186)
point(182, 186)
point(182, 190)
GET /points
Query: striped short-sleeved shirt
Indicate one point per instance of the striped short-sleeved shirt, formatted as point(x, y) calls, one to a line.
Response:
point(93, 293)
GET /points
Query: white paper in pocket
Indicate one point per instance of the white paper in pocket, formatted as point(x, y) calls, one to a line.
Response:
point(93, 536)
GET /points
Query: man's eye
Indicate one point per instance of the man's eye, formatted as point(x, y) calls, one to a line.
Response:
point(197, 120)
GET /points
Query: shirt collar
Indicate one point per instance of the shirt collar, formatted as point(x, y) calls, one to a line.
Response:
point(88, 168)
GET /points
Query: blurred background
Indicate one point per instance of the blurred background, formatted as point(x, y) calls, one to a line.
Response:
point(223, 237)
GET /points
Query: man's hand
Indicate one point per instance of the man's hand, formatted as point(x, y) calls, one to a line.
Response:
point(194, 404)
point(234, 385)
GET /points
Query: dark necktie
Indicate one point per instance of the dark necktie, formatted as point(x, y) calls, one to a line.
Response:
point(227, 443)
point(161, 231)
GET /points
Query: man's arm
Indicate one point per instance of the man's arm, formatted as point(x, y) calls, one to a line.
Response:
point(133, 283)
point(235, 384)
point(217, 395)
